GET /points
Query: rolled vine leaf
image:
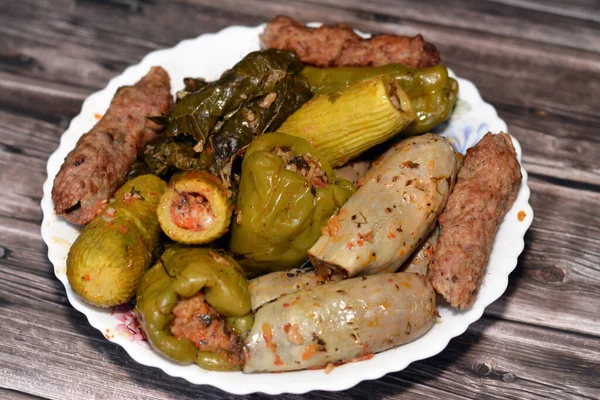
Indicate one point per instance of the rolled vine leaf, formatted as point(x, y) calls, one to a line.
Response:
point(222, 117)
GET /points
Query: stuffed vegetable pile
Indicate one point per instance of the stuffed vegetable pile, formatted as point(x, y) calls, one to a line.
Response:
point(285, 216)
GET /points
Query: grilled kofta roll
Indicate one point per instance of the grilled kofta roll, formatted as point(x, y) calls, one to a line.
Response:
point(486, 188)
point(98, 166)
point(339, 45)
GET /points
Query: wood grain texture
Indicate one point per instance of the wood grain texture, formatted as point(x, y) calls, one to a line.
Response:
point(494, 358)
point(558, 277)
point(536, 61)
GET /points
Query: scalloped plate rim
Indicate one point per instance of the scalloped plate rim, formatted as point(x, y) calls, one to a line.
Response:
point(341, 378)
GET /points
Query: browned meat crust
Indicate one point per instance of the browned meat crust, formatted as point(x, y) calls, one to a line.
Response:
point(486, 188)
point(338, 45)
point(95, 169)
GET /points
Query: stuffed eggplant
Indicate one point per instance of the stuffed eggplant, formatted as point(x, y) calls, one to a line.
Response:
point(338, 322)
point(109, 257)
point(195, 209)
point(391, 213)
point(194, 306)
point(269, 287)
point(432, 92)
point(420, 260)
point(287, 193)
point(344, 124)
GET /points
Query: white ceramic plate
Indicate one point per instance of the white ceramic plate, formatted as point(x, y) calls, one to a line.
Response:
point(208, 56)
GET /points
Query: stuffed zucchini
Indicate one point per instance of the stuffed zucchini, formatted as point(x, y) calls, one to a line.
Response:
point(343, 124)
point(109, 257)
point(195, 209)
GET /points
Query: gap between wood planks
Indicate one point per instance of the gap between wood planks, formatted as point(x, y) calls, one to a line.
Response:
point(10, 394)
point(551, 186)
point(583, 13)
point(473, 18)
point(455, 371)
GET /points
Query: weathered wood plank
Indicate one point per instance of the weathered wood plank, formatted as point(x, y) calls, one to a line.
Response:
point(496, 358)
point(536, 61)
point(87, 44)
point(542, 24)
point(556, 144)
point(579, 9)
point(25, 175)
point(7, 394)
point(28, 136)
point(40, 100)
point(558, 276)
point(559, 138)
point(26, 280)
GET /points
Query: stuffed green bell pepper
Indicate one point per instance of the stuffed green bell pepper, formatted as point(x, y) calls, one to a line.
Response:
point(287, 193)
point(194, 306)
point(432, 92)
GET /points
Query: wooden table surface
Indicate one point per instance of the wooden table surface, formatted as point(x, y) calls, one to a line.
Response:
point(536, 61)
